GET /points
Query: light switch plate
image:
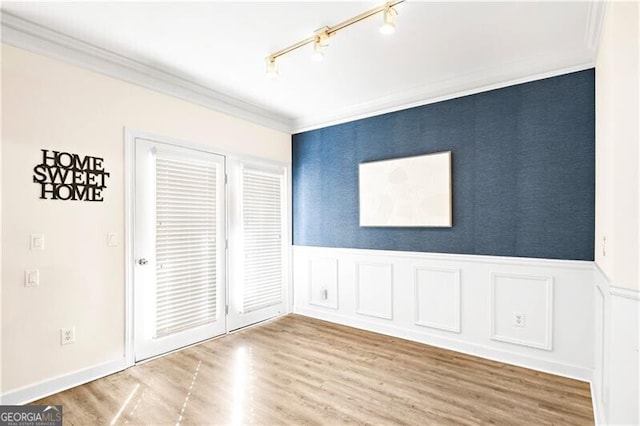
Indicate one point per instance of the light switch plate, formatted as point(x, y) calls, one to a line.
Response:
point(112, 239)
point(31, 278)
point(37, 242)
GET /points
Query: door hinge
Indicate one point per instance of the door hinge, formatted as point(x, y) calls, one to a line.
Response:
point(226, 244)
point(226, 310)
point(226, 178)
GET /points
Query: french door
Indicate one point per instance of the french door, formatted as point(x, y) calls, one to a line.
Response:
point(185, 237)
point(257, 247)
point(179, 247)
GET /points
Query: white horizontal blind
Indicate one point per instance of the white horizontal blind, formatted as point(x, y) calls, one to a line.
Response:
point(262, 235)
point(186, 273)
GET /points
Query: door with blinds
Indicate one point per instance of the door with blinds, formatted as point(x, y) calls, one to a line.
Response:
point(258, 278)
point(179, 247)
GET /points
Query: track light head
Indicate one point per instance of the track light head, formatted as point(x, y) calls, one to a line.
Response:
point(319, 43)
point(272, 68)
point(388, 20)
point(318, 52)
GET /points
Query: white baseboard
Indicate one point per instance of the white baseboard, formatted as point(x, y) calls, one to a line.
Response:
point(45, 388)
point(599, 416)
point(570, 371)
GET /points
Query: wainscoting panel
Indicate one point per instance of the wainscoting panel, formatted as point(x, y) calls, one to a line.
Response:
point(323, 282)
point(522, 310)
point(375, 290)
point(446, 300)
point(437, 297)
point(600, 384)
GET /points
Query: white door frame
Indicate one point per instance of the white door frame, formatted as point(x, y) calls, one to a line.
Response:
point(130, 135)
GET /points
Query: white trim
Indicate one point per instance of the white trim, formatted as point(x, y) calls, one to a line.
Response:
point(595, 22)
point(39, 39)
point(563, 306)
point(598, 413)
point(359, 310)
point(289, 251)
point(548, 338)
point(129, 220)
point(201, 146)
point(60, 383)
point(130, 135)
point(453, 88)
point(615, 289)
point(457, 311)
point(310, 278)
point(598, 387)
point(627, 293)
point(584, 265)
point(520, 360)
point(599, 270)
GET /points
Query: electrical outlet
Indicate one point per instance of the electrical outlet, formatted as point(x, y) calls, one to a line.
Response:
point(67, 335)
point(324, 293)
point(604, 246)
point(518, 319)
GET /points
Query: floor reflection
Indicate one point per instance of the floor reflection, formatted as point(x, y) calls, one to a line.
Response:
point(124, 405)
point(296, 370)
point(241, 412)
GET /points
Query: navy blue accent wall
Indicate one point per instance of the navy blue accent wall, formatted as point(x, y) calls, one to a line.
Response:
point(523, 172)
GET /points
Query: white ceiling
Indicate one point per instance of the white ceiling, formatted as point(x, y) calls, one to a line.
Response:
point(439, 49)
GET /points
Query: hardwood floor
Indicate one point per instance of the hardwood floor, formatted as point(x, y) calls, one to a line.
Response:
point(296, 370)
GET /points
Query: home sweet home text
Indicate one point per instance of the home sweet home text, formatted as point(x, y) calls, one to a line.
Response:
point(66, 176)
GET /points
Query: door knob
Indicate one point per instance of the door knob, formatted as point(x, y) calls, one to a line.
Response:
point(142, 261)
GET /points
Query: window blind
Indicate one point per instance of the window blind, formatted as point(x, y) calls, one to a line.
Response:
point(262, 233)
point(186, 275)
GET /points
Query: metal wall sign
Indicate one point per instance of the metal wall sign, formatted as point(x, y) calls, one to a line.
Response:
point(67, 176)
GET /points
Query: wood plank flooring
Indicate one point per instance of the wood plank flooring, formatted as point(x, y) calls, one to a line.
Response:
point(300, 371)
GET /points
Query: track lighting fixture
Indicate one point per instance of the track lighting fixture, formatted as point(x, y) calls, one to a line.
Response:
point(319, 44)
point(388, 20)
point(320, 37)
point(318, 51)
point(272, 67)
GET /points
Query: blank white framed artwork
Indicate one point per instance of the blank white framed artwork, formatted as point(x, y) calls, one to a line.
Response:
point(406, 192)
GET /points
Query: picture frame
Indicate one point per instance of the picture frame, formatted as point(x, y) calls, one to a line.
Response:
point(406, 192)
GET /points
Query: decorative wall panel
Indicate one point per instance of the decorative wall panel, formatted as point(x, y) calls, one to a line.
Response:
point(437, 298)
point(375, 290)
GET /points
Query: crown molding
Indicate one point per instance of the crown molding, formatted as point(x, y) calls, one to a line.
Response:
point(27, 35)
point(456, 87)
point(24, 34)
point(469, 83)
point(595, 22)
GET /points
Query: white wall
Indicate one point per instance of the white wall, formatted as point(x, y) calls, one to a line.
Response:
point(617, 147)
point(461, 302)
point(48, 104)
point(616, 376)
